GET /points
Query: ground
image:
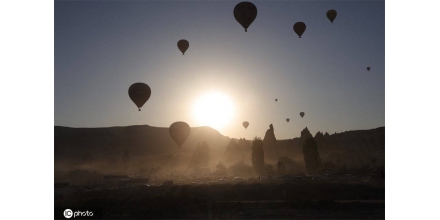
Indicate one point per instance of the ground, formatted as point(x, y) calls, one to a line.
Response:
point(235, 201)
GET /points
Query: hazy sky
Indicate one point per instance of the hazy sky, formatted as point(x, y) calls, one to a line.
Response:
point(102, 47)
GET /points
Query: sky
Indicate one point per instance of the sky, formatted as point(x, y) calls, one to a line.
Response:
point(102, 47)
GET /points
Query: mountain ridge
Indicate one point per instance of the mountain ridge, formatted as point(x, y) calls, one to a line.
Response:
point(146, 143)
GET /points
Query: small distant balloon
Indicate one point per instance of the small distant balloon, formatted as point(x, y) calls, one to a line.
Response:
point(179, 132)
point(331, 15)
point(287, 120)
point(183, 45)
point(245, 124)
point(299, 28)
point(368, 68)
point(245, 13)
point(302, 114)
point(276, 100)
point(139, 93)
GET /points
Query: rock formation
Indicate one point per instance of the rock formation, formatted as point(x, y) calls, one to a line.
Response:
point(270, 145)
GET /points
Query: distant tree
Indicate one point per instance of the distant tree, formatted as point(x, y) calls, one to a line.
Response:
point(258, 155)
point(220, 170)
point(286, 160)
point(281, 167)
point(195, 157)
point(311, 155)
point(220, 166)
point(233, 153)
point(241, 169)
point(268, 168)
point(291, 166)
point(200, 158)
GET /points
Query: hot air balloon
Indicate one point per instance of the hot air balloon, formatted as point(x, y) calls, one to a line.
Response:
point(368, 68)
point(287, 120)
point(245, 124)
point(299, 28)
point(179, 132)
point(276, 100)
point(245, 13)
point(302, 114)
point(139, 93)
point(183, 45)
point(331, 15)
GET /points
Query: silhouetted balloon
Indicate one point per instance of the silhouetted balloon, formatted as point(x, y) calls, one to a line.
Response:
point(245, 13)
point(245, 124)
point(331, 15)
point(299, 28)
point(179, 132)
point(139, 93)
point(302, 114)
point(276, 100)
point(287, 120)
point(183, 45)
point(368, 68)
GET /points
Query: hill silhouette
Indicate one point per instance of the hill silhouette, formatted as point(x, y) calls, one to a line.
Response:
point(76, 146)
point(352, 148)
point(149, 146)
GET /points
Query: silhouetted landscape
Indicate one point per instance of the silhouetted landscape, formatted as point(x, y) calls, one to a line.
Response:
point(151, 147)
point(136, 172)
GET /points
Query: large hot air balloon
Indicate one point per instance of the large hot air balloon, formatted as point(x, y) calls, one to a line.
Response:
point(368, 68)
point(245, 13)
point(331, 15)
point(139, 93)
point(302, 114)
point(245, 124)
point(287, 120)
point(183, 45)
point(276, 100)
point(299, 28)
point(179, 132)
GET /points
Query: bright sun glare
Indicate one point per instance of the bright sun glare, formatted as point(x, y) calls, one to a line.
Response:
point(214, 109)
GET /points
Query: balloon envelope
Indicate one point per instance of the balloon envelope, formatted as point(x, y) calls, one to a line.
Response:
point(299, 28)
point(245, 124)
point(183, 45)
point(245, 13)
point(302, 114)
point(331, 15)
point(139, 93)
point(368, 68)
point(287, 120)
point(276, 100)
point(179, 132)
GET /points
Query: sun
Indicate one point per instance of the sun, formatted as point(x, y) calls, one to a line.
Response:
point(214, 109)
